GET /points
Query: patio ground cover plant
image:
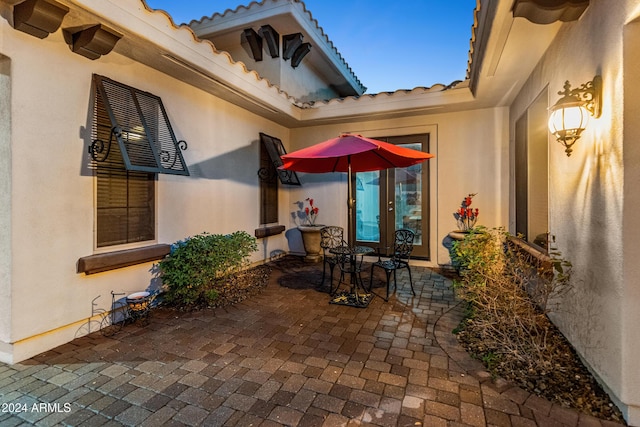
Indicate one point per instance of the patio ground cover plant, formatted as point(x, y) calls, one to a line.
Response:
point(210, 270)
point(507, 326)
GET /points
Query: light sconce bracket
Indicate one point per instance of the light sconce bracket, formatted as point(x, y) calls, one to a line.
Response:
point(590, 93)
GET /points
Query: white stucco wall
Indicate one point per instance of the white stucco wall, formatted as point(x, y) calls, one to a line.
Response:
point(593, 198)
point(45, 302)
point(630, 298)
point(5, 198)
point(302, 82)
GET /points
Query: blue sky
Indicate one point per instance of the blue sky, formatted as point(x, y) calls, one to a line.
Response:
point(389, 45)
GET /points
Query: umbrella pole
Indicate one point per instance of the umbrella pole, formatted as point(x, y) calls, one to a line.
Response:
point(350, 204)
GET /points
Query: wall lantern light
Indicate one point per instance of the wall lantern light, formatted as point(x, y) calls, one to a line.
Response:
point(570, 115)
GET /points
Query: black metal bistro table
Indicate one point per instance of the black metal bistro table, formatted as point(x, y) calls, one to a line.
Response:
point(351, 265)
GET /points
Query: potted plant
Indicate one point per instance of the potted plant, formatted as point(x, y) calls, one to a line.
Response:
point(310, 231)
point(466, 218)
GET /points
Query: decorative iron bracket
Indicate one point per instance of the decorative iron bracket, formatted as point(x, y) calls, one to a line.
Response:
point(165, 156)
point(100, 150)
point(588, 94)
point(267, 174)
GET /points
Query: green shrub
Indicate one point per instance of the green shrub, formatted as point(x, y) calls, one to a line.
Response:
point(197, 264)
point(479, 258)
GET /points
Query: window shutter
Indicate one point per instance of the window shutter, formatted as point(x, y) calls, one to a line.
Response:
point(275, 148)
point(140, 124)
point(268, 189)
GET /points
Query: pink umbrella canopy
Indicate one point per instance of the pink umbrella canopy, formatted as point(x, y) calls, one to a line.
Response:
point(362, 154)
point(351, 153)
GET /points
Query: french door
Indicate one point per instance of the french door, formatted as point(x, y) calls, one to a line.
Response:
point(392, 199)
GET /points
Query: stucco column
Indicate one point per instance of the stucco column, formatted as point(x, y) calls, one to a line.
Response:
point(5, 206)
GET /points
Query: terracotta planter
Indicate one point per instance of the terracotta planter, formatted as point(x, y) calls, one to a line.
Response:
point(311, 240)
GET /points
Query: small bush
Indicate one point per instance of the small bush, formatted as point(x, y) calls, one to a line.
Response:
point(509, 298)
point(510, 289)
point(197, 265)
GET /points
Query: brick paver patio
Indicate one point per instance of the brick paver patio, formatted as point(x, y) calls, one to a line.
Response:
point(284, 357)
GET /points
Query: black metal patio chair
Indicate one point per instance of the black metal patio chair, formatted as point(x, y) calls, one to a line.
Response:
point(331, 237)
point(402, 248)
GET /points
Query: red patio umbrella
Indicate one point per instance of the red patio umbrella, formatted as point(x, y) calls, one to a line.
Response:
point(351, 153)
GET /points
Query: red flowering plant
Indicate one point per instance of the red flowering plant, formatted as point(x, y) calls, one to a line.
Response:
point(465, 215)
point(311, 212)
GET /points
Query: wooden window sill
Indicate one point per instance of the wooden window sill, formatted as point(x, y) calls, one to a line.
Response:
point(271, 230)
point(535, 254)
point(118, 259)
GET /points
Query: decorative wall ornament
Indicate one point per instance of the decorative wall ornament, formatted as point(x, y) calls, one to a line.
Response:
point(91, 41)
point(272, 38)
point(548, 11)
point(290, 43)
point(299, 54)
point(292, 46)
point(294, 49)
point(38, 17)
point(252, 44)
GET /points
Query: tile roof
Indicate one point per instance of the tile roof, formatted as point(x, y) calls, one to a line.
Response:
point(182, 27)
point(439, 87)
point(472, 41)
point(255, 4)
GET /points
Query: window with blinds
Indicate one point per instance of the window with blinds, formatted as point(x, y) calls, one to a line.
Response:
point(125, 206)
point(135, 142)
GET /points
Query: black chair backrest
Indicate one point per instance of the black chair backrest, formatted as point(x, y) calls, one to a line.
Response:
point(403, 244)
point(331, 236)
